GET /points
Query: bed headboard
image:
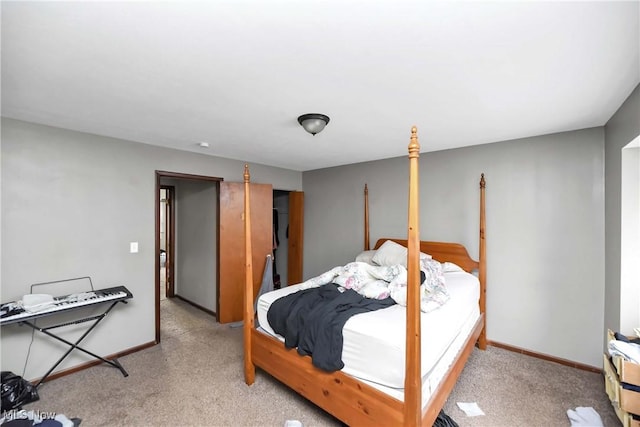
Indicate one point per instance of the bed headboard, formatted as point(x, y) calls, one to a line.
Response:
point(442, 252)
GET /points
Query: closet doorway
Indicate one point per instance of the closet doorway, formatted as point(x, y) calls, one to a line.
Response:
point(231, 249)
point(288, 232)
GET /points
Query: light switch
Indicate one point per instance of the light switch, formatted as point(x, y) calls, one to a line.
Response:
point(133, 247)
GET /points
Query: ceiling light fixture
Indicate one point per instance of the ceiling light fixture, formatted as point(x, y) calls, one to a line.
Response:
point(313, 123)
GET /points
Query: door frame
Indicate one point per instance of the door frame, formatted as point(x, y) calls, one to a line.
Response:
point(170, 233)
point(166, 174)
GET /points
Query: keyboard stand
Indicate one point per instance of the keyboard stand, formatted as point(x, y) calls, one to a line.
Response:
point(96, 319)
point(111, 296)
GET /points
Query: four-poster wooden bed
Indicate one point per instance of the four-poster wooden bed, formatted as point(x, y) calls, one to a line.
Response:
point(354, 401)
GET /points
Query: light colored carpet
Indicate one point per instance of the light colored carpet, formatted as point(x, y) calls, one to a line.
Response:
point(518, 390)
point(194, 378)
point(163, 283)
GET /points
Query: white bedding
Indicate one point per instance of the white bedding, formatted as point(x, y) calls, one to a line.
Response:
point(373, 348)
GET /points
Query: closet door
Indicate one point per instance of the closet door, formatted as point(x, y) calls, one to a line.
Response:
point(231, 244)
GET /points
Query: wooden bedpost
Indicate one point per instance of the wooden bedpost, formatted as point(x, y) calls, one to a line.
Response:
point(249, 368)
point(413, 374)
point(482, 268)
point(366, 218)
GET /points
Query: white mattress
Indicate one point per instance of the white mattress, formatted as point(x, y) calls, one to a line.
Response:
point(374, 342)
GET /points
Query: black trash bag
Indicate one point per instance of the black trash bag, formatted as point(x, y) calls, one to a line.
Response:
point(444, 420)
point(16, 391)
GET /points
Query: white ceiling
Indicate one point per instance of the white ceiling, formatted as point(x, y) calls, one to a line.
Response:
point(237, 74)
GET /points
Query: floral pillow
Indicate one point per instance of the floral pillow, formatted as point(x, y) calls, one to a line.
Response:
point(433, 292)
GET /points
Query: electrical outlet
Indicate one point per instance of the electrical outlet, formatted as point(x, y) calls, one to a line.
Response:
point(133, 247)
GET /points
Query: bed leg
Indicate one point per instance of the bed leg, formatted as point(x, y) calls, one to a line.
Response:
point(249, 372)
point(482, 339)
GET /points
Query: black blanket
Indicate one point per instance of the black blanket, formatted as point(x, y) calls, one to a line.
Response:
point(312, 320)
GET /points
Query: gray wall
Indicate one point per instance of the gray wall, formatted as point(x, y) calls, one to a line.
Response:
point(71, 203)
point(545, 229)
point(620, 130)
point(196, 235)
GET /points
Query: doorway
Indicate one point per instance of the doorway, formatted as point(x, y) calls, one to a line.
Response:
point(186, 242)
point(630, 236)
point(288, 230)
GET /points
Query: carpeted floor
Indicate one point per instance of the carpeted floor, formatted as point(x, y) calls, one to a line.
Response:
point(194, 378)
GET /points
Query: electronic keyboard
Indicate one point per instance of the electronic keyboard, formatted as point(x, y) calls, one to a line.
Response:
point(13, 312)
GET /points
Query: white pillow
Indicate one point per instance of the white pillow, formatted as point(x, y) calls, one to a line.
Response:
point(392, 253)
point(365, 256)
point(449, 267)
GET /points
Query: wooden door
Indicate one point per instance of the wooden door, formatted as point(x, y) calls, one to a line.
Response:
point(296, 240)
point(231, 244)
